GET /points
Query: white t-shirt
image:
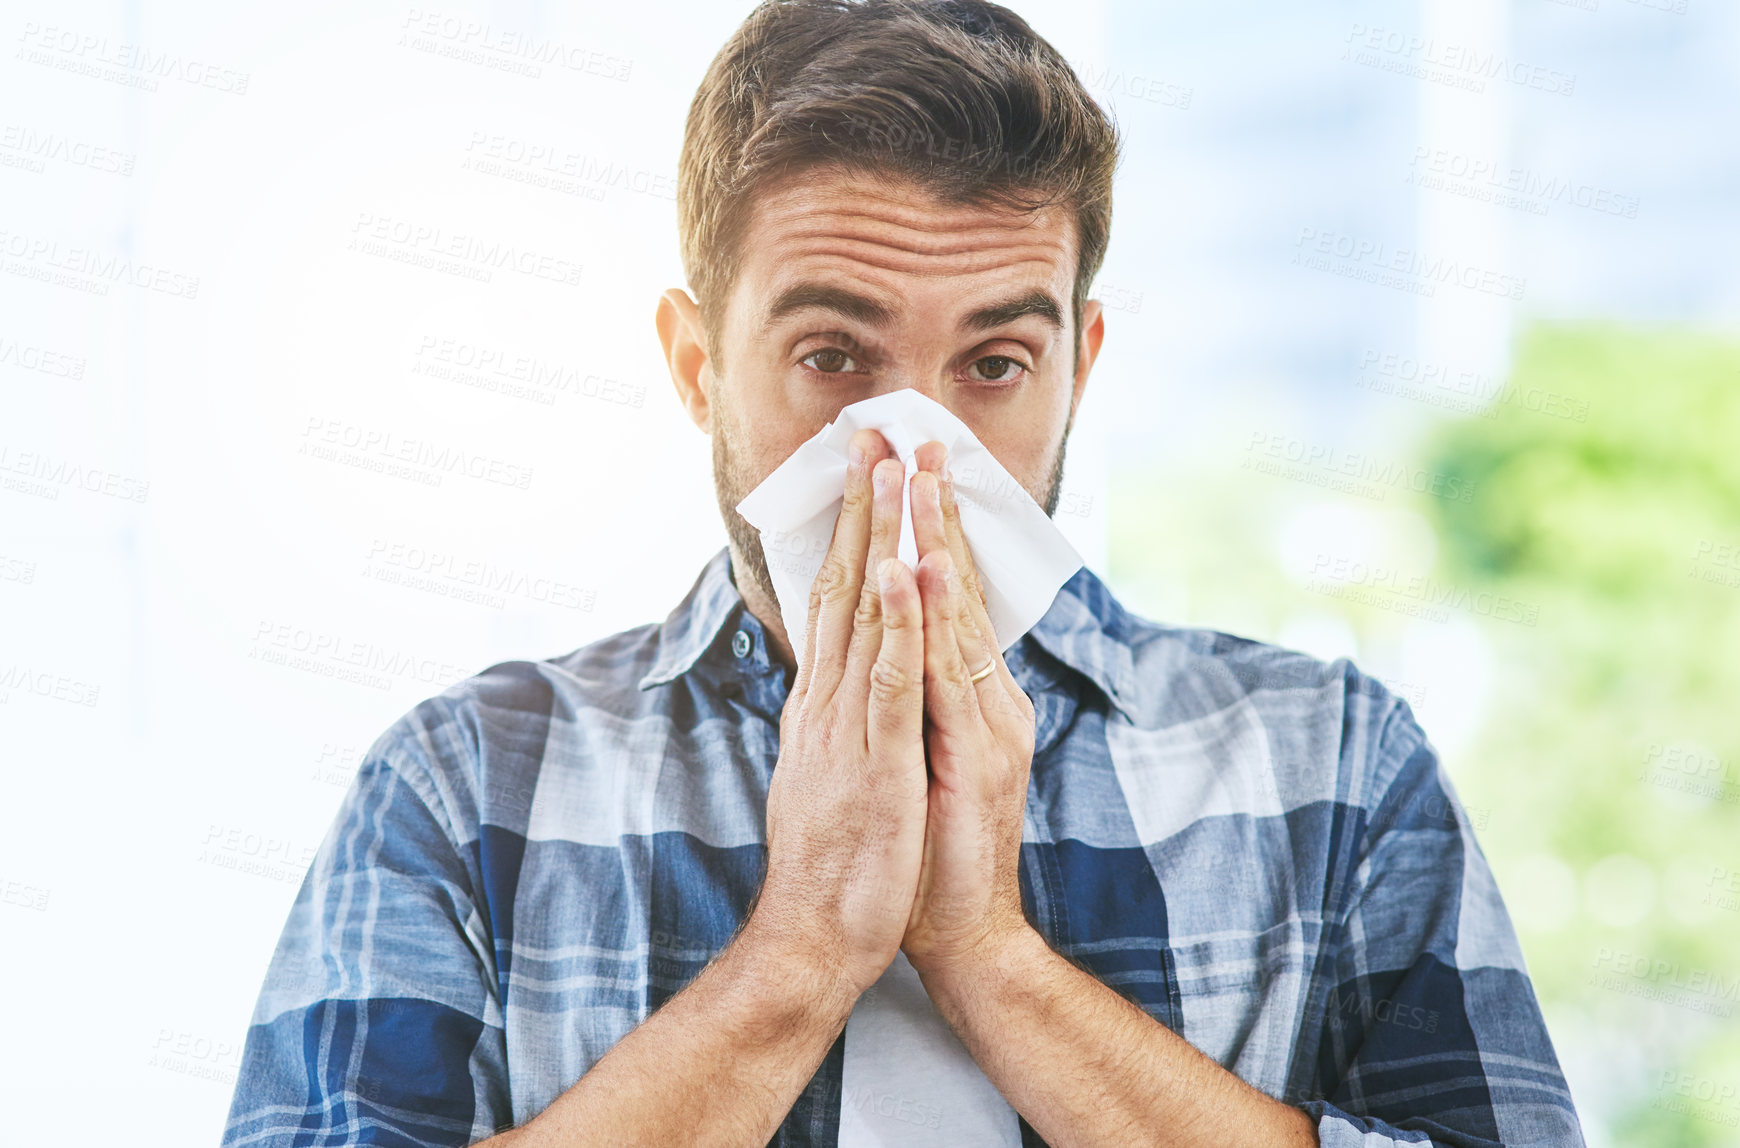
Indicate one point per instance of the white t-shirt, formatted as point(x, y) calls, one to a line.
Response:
point(909, 1081)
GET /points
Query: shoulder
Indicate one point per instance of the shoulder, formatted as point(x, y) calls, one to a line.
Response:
point(1322, 730)
point(475, 752)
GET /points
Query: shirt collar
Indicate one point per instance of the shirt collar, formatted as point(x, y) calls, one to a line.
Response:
point(1085, 629)
point(689, 629)
point(1089, 631)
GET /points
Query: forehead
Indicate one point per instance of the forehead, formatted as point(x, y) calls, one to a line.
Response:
point(899, 242)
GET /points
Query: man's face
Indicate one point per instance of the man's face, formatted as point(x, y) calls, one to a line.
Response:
point(849, 288)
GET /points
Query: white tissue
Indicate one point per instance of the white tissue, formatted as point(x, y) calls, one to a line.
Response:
point(1021, 557)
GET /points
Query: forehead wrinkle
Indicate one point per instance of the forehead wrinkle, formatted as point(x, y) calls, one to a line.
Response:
point(867, 242)
point(1043, 259)
point(941, 240)
point(945, 246)
point(915, 212)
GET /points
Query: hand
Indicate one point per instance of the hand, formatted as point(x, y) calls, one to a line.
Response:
point(978, 744)
point(846, 806)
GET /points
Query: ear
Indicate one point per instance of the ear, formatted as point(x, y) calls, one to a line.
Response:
point(1093, 332)
point(685, 342)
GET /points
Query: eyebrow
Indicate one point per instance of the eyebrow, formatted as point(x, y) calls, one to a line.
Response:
point(871, 312)
point(1035, 302)
point(820, 297)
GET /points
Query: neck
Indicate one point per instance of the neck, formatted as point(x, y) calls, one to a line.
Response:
point(760, 601)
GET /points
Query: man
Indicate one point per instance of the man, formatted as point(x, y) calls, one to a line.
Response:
point(1167, 886)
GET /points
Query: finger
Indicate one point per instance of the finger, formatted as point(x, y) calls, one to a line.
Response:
point(933, 457)
point(886, 479)
point(834, 594)
point(977, 606)
point(930, 531)
point(949, 698)
point(858, 463)
point(977, 652)
point(894, 723)
point(973, 630)
point(1002, 701)
point(958, 543)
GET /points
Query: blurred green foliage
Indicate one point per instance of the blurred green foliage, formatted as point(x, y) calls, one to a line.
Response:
point(1607, 493)
point(1617, 723)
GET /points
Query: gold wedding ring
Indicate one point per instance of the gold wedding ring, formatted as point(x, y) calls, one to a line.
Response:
point(982, 674)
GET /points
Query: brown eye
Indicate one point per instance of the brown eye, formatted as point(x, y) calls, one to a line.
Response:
point(997, 368)
point(829, 361)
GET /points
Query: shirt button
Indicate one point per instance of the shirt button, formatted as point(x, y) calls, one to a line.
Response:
point(741, 644)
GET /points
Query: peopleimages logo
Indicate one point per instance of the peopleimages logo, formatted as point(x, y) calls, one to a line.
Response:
point(510, 156)
point(516, 375)
point(36, 148)
point(1462, 390)
point(347, 659)
point(45, 476)
point(1385, 1011)
point(1448, 62)
point(132, 65)
point(505, 49)
point(371, 448)
point(88, 270)
point(1351, 472)
point(452, 575)
point(59, 687)
point(436, 248)
point(1486, 180)
point(1655, 978)
point(1375, 583)
point(29, 357)
point(1370, 259)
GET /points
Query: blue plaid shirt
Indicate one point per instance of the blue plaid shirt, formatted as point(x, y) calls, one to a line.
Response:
point(1258, 849)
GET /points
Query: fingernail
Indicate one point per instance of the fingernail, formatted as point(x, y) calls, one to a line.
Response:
point(885, 573)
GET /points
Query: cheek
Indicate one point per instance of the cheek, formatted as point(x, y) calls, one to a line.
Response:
point(1022, 435)
point(762, 430)
point(774, 407)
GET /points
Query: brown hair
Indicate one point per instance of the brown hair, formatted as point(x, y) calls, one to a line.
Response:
point(960, 96)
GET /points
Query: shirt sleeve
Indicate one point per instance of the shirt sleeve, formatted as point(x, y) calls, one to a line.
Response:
point(380, 1021)
point(1428, 1030)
